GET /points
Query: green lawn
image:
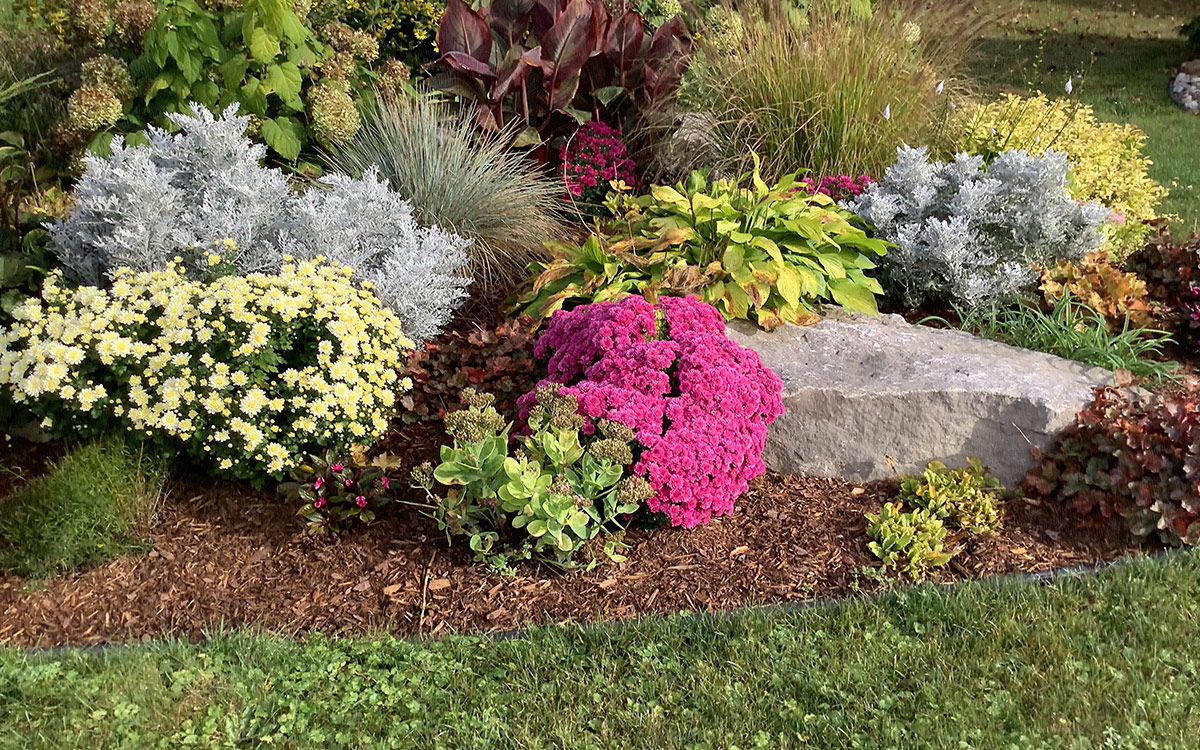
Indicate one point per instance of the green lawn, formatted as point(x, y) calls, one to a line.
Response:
point(1121, 55)
point(1105, 661)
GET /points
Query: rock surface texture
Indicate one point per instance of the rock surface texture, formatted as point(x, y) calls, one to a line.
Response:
point(862, 389)
point(1185, 87)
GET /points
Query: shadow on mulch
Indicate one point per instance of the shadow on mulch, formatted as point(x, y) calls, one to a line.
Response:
point(226, 556)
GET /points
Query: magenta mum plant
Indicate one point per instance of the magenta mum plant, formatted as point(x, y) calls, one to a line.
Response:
point(592, 158)
point(698, 403)
point(841, 187)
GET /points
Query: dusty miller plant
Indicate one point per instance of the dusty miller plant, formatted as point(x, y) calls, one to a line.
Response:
point(969, 235)
point(143, 206)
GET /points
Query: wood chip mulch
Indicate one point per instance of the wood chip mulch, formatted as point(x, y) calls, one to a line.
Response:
point(225, 556)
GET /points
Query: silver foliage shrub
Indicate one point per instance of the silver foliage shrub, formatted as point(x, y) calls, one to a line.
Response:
point(969, 235)
point(143, 206)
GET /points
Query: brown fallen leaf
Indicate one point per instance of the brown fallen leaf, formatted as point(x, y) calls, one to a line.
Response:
point(858, 491)
point(389, 590)
point(437, 584)
point(607, 584)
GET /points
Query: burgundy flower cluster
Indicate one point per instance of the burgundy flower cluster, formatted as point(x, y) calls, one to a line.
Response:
point(591, 158)
point(840, 187)
point(698, 403)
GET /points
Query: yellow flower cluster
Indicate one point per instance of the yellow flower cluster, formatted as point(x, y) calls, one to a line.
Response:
point(1107, 164)
point(246, 373)
point(396, 22)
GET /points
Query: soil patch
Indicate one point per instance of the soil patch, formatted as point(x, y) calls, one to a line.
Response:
point(226, 556)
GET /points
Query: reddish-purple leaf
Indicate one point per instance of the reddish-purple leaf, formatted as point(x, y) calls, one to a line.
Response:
point(568, 45)
point(667, 60)
point(545, 13)
point(464, 30)
point(624, 43)
point(463, 62)
point(510, 18)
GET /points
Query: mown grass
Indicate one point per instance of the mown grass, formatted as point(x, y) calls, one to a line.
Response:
point(1104, 661)
point(1120, 55)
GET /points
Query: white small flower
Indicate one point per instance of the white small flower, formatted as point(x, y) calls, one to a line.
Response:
point(887, 112)
point(941, 86)
point(1070, 86)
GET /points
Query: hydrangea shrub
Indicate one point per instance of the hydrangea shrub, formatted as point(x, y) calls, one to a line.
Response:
point(592, 158)
point(245, 374)
point(698, 403)
point(141, 207)
point(970, 235)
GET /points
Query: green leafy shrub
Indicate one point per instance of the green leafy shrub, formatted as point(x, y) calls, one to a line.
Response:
point(756, 252)
point(460, 180)
point(1191, 31)
point(1129, 457)
point(1072, 330)
point(558, 498)
point(912, 541)
point(831, 90)
point(404, 29)
point(244, 374)
point(1107, 163)
point(498, 361)
point(87, 510)
point(334, 492)
point(299, 87)
point(964, 497)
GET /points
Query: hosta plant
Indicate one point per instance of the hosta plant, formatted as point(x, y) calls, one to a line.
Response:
point(1133, 457)
point(559, 497)
point(553, 63)
point(334, 492)
point(762, 253)
point(964, 497)
point(912, 541)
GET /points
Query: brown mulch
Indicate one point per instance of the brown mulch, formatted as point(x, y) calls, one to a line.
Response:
point(223, 555)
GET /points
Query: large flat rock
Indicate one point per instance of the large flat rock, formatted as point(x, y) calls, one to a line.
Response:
point(861, 390)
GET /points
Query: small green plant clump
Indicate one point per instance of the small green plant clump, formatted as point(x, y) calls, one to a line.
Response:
point(561, 496)
point(334, 492)
point(911, 533)
point(86, 511)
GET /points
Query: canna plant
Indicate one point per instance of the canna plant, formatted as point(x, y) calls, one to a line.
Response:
point(756, 252)
point(555, 63)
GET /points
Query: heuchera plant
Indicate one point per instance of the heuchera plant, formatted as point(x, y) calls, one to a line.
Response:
point(538, 62)
point(698, 403)
point(1171, 271)
point(1136, 459)
point(591, 159)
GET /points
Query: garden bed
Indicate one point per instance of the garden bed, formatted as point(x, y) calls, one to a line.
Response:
point(223, 556)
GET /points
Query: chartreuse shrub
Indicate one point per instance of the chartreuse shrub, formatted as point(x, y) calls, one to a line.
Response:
point(1131, 457)
point(560, 496)
point(913, 532)
point(765, 253)
point(969, 233)
point(698, 403)
point(244, 374)
point(1107, 163)
point(88, 509)
point(834, 90)
point(460, 180)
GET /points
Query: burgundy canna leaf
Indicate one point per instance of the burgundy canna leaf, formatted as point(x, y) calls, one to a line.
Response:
point(463, 30)
point(624, 43)
point(464, 63)
point(510, 18)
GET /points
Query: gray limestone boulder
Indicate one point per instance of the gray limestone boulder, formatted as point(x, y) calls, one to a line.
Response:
point(861, 390)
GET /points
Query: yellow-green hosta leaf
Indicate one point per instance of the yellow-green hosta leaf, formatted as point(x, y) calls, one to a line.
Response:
point(665, 194)
point(790, 285)
point(734, 258)
point(852, 296)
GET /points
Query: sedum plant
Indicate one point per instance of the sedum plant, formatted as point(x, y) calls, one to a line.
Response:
point(560, 492)
point(970, 235)
point(1107, 163)
point(965, 497)
point(762, 253)
point(141, 207)
point(912, 541)
point(244, 374)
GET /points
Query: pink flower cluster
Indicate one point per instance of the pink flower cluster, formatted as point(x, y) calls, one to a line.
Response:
point(840, 187)
point(698, 403)
point(591, 158)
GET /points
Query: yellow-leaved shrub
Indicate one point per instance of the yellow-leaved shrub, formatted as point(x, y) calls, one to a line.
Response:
point(1107, 163)
point(246, 374)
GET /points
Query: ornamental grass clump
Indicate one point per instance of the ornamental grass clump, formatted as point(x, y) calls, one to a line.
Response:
point(698, 404)
point(244, 374)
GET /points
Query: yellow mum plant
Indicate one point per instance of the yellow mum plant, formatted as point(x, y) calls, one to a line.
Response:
point(1107, 163)
point(246, 374)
